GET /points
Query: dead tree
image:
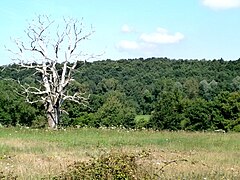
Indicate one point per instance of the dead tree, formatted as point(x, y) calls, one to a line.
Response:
point(45, 50)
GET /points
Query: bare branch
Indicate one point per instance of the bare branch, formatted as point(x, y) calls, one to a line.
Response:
point(46, 62)
point(77, 98)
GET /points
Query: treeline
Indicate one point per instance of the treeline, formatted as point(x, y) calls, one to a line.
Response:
point(175, 94)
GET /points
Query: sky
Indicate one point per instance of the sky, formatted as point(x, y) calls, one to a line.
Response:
point(189, 29)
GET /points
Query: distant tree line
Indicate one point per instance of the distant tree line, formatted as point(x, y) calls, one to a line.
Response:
point(175, 94)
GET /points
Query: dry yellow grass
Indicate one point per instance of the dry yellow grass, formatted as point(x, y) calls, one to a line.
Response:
point(36, 158)
point(30, 157)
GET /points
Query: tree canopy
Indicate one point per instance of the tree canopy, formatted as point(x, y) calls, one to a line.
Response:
point(178, 94)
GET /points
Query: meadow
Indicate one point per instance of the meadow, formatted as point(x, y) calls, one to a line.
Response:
point(41, 153)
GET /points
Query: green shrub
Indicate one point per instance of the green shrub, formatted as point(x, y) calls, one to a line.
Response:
point(236, 128)
point(116, 111)
point(85, 119)
point(108, 166)
point(141, 121)
point(39, 122)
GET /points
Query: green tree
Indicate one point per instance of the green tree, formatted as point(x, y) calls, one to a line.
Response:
point(228, 105)
point(191, 88)
point(116, 111)
point(168, 111)
point(235, 84)
point(208, 90)
point(13, 109)
point(198, 115)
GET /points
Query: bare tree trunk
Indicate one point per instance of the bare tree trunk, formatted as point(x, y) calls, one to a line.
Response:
point(57, 116)
point(53, 114)
point(53, 118)
point(51, 122)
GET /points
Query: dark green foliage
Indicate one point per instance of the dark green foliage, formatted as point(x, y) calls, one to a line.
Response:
point(228, 105)
point(179, 94)
point(198, 115)
point(168, 111)
point(116, 111)
point(176, 113)
point(13, 109)
point(83, 119)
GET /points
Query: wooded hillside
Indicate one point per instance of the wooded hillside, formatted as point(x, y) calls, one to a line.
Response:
point(178, 94)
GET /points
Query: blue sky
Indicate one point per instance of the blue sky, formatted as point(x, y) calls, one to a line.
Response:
point(189, 29)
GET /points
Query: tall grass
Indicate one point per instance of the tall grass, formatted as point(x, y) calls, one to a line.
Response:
point(36, 153)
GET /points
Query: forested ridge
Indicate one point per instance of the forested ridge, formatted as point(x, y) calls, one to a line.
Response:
point(172, 94)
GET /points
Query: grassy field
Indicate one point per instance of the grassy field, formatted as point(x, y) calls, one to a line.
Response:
point(32, 153)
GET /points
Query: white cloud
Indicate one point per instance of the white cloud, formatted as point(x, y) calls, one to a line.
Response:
point(126, 29)
point(222, 4)
point(162, 36)
point(149, 44)
point(127, 45)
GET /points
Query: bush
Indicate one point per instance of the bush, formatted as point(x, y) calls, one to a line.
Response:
point(141, 121)
point(236, 128)
point(168, 112)
point(108, 166)
point(39, 122)
point(116, 111)
point(85, 119)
